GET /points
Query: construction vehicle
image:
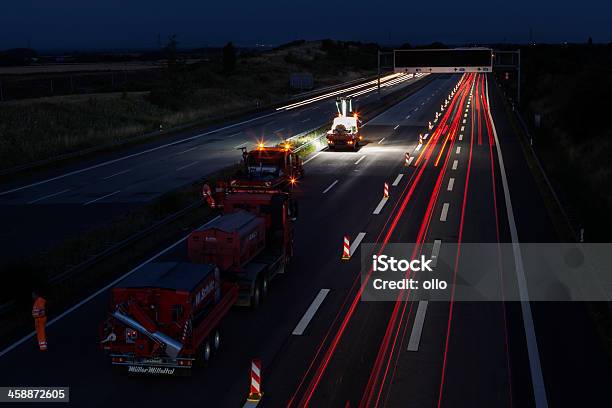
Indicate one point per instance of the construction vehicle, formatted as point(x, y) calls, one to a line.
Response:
point(345, 130)
point(164, 318)
point(251, 242)
point(268, 167)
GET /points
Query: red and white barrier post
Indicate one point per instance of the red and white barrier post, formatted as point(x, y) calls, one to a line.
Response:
point(346, 248)
point(255, 393)
point(407, 159)
point(386, 190)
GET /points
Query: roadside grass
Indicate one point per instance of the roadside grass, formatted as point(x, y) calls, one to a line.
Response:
point(34, 130)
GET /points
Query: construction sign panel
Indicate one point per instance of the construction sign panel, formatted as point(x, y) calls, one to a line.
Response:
point(444, 60)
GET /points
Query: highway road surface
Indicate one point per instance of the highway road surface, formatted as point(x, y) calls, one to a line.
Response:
point(73, 198)
point(319, 343)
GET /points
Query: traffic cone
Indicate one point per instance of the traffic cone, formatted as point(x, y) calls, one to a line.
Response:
point(346, 249)
point(255, 393)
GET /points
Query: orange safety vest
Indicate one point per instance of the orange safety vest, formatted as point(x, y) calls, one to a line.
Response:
point(39, 308)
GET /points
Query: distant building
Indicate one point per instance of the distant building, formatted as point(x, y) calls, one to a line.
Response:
point(302, 81)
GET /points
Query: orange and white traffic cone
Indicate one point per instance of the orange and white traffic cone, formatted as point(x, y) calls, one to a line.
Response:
point(346, 249)
point(255, 392)
point(386, 190)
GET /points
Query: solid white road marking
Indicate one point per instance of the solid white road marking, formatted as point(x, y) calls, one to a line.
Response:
point(235, 134)
point(49, 196)
point(537, 379)
point(397, 179)
point(305, 120)
point(187, 165)
point(240, 145)
point(356, 243)
point(101, 198)
point(330, 186)
point(380, 205)
point(396, 126)
point(306, 161)
point(117, 174)
point(458, 149)
point(444, 212)
point(418, 147)
point(408, 117)
point(455, 163)
point(96, 294)
point(360, 159)
point(310, 312)
point(451, 183)
point(417, 327)
point(381, 140)
point(278, 130)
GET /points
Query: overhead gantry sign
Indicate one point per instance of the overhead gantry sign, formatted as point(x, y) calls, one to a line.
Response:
point(443, 60)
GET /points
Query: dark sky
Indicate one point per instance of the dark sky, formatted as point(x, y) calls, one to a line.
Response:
point(68, 24)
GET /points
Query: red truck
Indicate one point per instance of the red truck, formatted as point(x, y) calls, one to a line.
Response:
point(251, 242)
point(164, 319)
point(268, 167)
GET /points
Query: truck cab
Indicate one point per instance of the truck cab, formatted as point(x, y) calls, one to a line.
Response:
point(269, 167)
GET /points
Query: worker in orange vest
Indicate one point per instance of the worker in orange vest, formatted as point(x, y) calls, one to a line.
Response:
point(39, 313)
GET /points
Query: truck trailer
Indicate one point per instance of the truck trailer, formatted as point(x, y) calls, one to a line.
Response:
point(251, 242)
point(165, 318)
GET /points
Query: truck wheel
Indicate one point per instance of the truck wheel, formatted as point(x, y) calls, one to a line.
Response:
point(256, 296)
point(216, 340)
point(206, 351)
point(264, 287)
point(204, 354)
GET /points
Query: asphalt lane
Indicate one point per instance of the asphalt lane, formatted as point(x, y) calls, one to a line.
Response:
point(475, 355)
point(486, 358)
point(346, 208)
point(74, 198)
